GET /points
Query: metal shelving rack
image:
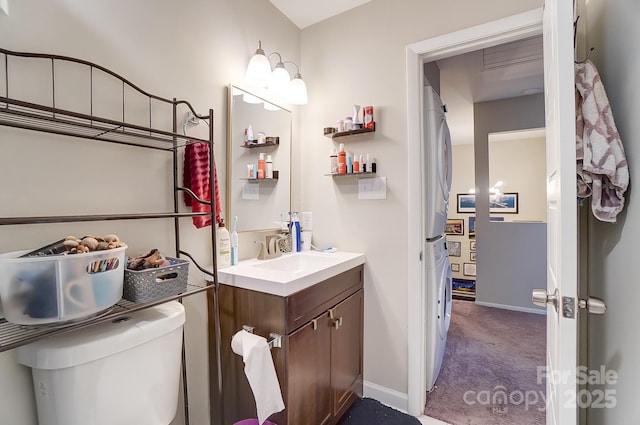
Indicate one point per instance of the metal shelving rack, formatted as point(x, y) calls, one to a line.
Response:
point(50, 119)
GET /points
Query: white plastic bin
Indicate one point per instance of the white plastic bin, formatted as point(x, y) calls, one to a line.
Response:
point(60, 288)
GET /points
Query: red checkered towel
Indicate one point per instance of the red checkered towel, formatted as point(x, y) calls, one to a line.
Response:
point(196, 177)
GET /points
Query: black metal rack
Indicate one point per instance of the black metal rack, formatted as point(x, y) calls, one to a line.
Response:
point(22, 114)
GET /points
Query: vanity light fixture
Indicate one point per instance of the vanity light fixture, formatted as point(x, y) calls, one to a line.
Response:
point(277, 81)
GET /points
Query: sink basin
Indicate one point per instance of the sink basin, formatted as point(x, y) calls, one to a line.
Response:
point(297, 263)
point(290, 273)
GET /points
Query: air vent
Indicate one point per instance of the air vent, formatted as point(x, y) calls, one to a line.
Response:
point(516, 52)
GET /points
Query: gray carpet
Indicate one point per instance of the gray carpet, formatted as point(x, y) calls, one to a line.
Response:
point(489, 374)
point(367, 411)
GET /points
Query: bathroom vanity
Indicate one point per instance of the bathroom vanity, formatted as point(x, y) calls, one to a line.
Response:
point(315, 301)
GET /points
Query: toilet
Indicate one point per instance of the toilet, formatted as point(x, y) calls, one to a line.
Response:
point(120, 372)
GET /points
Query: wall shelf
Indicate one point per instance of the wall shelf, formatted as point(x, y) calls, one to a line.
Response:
point(265, 180)
point(259, 145)
point(356, 175)
point(351, 132)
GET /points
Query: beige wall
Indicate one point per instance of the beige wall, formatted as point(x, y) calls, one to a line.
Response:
point(612, 28)
point(359, 57)
point(191, 50)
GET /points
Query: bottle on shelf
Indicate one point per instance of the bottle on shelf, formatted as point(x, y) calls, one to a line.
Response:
point(261, 166)
point(342, 160)
point(295, 233)
point(268, 168)
point(333, 161)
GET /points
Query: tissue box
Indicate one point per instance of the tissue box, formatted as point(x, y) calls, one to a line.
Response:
point(141, 286)
point(53, 289)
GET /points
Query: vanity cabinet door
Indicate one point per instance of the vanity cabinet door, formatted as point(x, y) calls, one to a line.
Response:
point(308, 374)
point(346, 351)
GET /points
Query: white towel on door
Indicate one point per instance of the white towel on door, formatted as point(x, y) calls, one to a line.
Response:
point(602, 167)
point(260, 371)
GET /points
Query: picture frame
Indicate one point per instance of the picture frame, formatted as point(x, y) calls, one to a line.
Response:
point(506, 204)
point(454, 227)
point(466, 203)
point(469, 269)
point(472, 256)
point(472, 226)
point(455, 267)
point(454, 248)
point(472, 245)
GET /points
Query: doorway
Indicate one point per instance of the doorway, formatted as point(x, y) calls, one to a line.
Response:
point(520, 26)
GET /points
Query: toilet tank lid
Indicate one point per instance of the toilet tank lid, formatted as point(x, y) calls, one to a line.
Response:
point(104, 339)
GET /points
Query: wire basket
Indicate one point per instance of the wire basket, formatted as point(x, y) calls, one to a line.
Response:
point(141, 286)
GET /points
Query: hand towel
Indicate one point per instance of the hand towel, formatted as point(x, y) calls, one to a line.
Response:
point(602, 167)
point(260, 371)
point(196, 176)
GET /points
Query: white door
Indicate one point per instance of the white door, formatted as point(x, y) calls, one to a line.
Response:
point(562, 344)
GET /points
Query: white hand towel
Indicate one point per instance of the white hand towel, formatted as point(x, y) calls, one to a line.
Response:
point(260, 371)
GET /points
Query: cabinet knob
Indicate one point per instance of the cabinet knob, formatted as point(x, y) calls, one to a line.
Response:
point(337, 323)
point(314, 324)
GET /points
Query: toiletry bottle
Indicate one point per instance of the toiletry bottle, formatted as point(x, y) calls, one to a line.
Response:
point(348, 123)
point(261, 166)
point(357, 122)
point(234, 243)
point(356, 164)
point(249, 135)
point(333, 157)
point(342, 160)
point(223, 246)
point(349, 163)
point(363, 164)
point(293, 234)
point(368, 118)
point(269, 168)
point(295, 230)
point(373, 165)
point(368, 163)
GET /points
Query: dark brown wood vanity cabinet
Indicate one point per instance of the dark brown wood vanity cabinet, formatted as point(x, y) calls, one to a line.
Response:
point(319, 366)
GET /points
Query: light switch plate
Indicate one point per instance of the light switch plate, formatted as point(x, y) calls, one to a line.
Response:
point(372, 188)
point(4, 7)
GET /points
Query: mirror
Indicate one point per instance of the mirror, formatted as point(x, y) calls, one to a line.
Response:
point(259, 203)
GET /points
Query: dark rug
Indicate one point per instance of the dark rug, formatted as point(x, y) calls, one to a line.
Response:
point(367, 411)
point(489, 374)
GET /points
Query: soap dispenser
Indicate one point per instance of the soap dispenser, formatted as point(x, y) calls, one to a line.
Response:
point(295, 233)
point(223, 246)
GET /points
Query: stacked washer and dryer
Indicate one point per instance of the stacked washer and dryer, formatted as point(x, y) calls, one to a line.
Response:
point(437, 164)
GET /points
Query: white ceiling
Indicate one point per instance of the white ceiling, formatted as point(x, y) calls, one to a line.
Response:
point(465, 80)
point(304, 13)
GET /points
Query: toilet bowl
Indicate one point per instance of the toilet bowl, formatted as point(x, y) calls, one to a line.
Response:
point(121, 372)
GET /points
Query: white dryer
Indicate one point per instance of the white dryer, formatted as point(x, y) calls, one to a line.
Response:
point(438, 306)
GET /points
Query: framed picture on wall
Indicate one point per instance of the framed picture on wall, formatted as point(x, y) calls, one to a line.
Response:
point(472, 226)
point(454, 227)
point(506, 203)
point(469, 269)
point(466, 203)
point(472, 256)
point(455, 267)
point(472, 245)
point(454, 248)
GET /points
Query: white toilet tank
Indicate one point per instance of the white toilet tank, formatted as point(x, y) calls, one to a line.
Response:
point(121, 372)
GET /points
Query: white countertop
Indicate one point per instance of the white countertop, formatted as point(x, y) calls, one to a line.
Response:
point(289, 273)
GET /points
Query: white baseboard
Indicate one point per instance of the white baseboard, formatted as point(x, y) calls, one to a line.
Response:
point(384, 395)
point(513, 307)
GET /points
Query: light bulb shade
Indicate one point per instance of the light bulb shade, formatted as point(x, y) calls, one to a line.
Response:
point(298, 92)
point(258, 71)
point(271, 107)
point(280, 83)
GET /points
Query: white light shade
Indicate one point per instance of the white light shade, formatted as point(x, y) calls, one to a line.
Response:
point(258, 71)
point(298, 92)
point(280, 83)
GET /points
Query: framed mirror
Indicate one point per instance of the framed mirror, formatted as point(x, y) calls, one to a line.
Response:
point(257, 128)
